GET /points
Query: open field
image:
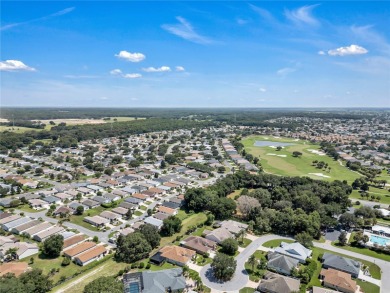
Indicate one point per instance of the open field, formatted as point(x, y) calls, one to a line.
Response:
point(48, 126)
point(283, 163)
point(384, 195)
point(17, 129)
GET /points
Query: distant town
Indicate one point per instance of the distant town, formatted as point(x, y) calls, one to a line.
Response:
point(290, 203)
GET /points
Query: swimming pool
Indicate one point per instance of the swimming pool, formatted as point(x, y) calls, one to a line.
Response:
point(382, 241)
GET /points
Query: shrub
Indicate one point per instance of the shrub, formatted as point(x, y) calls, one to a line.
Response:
point(133, 265)
point(141, 265)
point(65, 261)
point(148, 266)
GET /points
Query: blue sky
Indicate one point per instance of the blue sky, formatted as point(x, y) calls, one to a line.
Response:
point(195, 54)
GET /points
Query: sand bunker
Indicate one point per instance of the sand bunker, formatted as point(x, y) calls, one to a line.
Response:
point(283, 156)
point(319, 175)
point(317, 152)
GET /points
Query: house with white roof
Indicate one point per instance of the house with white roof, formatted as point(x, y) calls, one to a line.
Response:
point(294, 250)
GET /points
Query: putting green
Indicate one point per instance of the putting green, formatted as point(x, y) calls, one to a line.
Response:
point(283, 163)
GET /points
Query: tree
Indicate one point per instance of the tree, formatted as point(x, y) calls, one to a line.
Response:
point(39, 171)
point(348, 220)
point(52, 246)
point(95, 239)
point(129, 214)
point(223, 266)
point(305, 239)
point(35, 281)
point(151, 234)
point(104, 285)
point(210, 219)
point(171, 225)
point(163, 165)
point(79, 210)
point(252, 261)
point(132, 247)
point(66, 261)
point(279, 148)
point(343, 238)
point(229, 246)
point(297, 154)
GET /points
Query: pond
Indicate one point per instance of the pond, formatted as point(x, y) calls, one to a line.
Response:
point(265, 143)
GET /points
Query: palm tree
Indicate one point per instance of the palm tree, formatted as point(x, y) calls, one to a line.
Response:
point(252, 261)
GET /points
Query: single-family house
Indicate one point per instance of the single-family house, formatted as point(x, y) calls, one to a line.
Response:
point(63, 211)
point(96, 221)
point(281, 263)
point(140, 196)
point(218, 235)
point(90, 203)
point(63, 196)
point(38, 204)
point(338, 280)
point(112, 217)
point(233, 227)
point(120, 211)
point(111, 197)
point(294, 250)
point(341, 263)
point(166, 210)
point(51, 200)
point(23, 249)
point(199, 244)
point(155, 222)
point(160, 216)
point(171, 280)
point(275, 283)
point(74, 205)
point(175, 254)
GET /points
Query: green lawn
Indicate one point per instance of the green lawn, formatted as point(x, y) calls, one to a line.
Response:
point(202, 261)
point(363, 250)
point(192, 220)
point(17, 129)
point(138, 213)
point(26, 208)
point(383, 193)
point(247, 290)
point(368, 287)
point(144, 208)
point(256, 274)
point(283, 163)
point(245, 243)
point(79, 220)
point(200, 230)
point(276, 242)
point(47, 264)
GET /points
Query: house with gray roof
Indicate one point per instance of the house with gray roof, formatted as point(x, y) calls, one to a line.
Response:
point(21, 221)
point(341, 263)
point(275, 283)
point(153, 221)
point(280, 263)
point(19, 229)
point(294, 250)
point(218, 235)
point(171, 280)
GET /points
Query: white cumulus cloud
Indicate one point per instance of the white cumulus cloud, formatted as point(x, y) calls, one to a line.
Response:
point(180, 68)
point(158, 69)
point(321, 53)
point(116, 72)
point(132, 57)
point(285, 71)
point(349, 50)
point(132, 75)
point(14, 65)
point(263, 90)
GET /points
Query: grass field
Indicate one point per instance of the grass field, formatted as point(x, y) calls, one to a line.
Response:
point(17, 129)
point(276, 242)
point(383, 193)
point(283, 163)
point(368, 287)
